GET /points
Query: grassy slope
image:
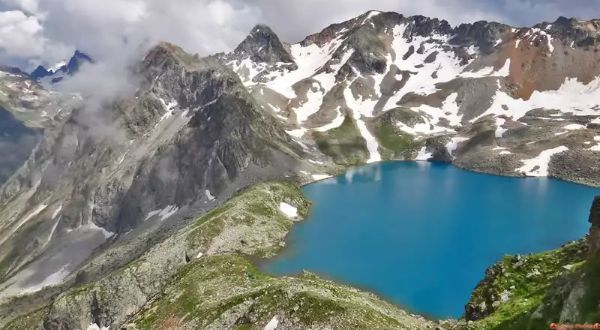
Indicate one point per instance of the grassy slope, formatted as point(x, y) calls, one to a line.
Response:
point(344, 144)
point(393, 143)
point(227, 291)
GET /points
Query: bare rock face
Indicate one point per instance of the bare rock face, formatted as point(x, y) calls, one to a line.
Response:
point(263, 45)
point(482, 33)
point(16, 143)
point(191, 134)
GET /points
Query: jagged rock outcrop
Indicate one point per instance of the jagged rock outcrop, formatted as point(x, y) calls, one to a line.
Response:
point(64, 69)
point(263, 45)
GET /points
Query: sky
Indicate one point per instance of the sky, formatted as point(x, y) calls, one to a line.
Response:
point(46, 31)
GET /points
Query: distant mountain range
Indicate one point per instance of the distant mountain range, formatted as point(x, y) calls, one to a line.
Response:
point(62, 69)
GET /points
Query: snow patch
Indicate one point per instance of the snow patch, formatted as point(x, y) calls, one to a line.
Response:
point(571, 97)
point(164, 213)
point(57, 211)
point(314, 98)
point(318, 177)
point(288, 210)
point(94, 326)
point(538, 166)
point(372, 145)
point(453, 144)
point(499, 129)
point(335, 123)
point(423, 154)
point(209, 195)
point(92, 226)
point(272, 325)
point(574, 127)
point(297, 133)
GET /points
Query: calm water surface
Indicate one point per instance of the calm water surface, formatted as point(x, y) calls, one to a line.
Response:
point(421, 235)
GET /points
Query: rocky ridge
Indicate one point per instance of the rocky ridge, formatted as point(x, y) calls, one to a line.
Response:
point(61, 70)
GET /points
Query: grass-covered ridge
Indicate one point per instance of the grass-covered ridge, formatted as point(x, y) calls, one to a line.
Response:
point(228, 292)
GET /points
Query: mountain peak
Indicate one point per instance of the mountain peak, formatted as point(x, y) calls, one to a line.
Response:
point(57, 72)
point(165, 53)
point(261, 29)
point(263, 45)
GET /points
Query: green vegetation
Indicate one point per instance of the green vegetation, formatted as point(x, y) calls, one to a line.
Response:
point(393, 143)
point(590, 302)
point(250, 222)
point(31, 321)
point(516, 287)
point(344, 144)
point(227, 291)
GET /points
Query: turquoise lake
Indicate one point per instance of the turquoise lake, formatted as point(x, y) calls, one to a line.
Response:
point(422, 234)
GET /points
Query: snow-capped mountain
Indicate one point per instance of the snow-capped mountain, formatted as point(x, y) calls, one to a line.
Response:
point(104, 198)
point(60, 70)
point(486, 96)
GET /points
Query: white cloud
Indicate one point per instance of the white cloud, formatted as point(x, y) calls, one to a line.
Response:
point(29, 6)
point(20, 35)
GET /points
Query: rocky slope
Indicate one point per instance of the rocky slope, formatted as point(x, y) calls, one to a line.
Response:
point(189, 137)
point(26, 110)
